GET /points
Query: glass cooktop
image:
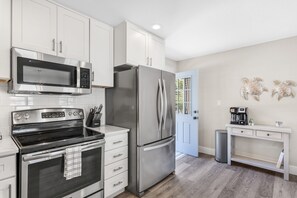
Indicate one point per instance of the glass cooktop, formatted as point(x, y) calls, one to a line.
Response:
point(55, 138)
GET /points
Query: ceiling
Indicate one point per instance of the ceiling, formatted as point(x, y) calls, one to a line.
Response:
point(199, 27)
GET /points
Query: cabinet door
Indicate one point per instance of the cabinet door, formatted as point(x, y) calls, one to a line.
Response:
point(101, 53)
point(137, 46)
point(73, 35)
point(8, 188)
point(156, 52)
point(34, 25)
point(5, 21)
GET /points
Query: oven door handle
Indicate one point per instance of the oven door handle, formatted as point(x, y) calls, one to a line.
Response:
point(32, 159)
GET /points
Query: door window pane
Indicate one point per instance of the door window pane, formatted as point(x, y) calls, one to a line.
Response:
point(183, 95)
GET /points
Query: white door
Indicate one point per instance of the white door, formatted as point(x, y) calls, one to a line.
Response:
point(73, 35)
point(34, 25)
point(101, 53)
point(8, 188)
point(187, 113)
point(156, 52)
point(137, 46)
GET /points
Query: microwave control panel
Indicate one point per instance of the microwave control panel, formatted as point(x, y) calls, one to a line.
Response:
point(85, 78)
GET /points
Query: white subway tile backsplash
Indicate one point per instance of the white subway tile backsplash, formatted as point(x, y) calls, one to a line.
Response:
point(12, 102)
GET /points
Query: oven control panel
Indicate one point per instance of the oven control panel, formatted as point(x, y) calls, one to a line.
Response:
point(46, 115)
point(57, 114)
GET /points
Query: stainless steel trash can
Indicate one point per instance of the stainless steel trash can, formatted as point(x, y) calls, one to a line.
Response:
point(221, 146)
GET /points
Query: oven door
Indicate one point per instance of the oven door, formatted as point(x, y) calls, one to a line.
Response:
point(42, 174)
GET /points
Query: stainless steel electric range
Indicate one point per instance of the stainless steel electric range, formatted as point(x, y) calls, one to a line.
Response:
point(43, 135)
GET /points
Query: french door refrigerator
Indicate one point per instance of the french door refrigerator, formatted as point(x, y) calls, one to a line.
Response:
point(143, 100)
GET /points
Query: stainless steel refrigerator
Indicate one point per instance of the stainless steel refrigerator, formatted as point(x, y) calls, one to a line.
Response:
point(143, 100)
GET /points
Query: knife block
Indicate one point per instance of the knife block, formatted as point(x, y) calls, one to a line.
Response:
point(94, 120)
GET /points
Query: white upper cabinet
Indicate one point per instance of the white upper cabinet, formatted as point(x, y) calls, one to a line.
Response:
point(101, 53)
point(134, 46)
point(156, 52)
point(34, 25)
point(137, 45)
point(42, 26)
point(73, 35)
point(5, 27)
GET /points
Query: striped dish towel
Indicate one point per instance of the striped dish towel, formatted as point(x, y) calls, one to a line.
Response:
point(72, 162)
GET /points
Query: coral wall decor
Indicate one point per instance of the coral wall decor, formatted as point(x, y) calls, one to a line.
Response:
point(253, 87)
point(283, 89)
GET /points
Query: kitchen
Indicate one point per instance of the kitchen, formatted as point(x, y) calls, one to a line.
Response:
point(57, 64)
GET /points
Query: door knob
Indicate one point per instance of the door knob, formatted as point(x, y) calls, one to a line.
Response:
point(195, 118)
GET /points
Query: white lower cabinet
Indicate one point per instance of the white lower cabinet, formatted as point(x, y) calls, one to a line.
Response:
point(8, 188)
point(8, 177)
point(116, 164)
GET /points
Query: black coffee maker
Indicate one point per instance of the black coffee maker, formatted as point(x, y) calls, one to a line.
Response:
point(239, 115)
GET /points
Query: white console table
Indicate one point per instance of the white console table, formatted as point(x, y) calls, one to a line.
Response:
point(261, 132)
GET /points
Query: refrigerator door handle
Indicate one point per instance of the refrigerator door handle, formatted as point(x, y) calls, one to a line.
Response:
point(158, 146)
point(166, 103)
point(162, 106)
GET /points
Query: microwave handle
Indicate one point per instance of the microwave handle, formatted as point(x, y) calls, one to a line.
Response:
point(56, 154)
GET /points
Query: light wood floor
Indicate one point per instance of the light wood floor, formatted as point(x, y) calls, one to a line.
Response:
point(203, 177)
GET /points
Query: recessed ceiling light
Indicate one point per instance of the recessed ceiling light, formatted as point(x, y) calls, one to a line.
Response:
point(156, 27)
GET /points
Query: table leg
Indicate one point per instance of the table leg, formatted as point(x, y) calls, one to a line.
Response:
point(229, 146)
point(286, 157)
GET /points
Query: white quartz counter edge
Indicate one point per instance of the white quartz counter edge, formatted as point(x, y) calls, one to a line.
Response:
point(109, 130)
point(262, 127)
point(8, 147)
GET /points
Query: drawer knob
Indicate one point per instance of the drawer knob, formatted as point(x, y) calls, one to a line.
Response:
point(114, 185)
point(117, 169)
point(118, 142)
point(118, 155)
point(268, 134)
point(241, 131)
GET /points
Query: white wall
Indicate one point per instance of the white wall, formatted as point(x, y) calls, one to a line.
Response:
point(10, 102)
point(220, 80)
point(170, 65)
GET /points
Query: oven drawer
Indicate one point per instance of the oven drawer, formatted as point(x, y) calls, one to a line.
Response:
point(115, 168)
point(116, 183)
point(7, 167)
point(116, 141)
point(270, 135)
point(246, 132)
point(116, 155)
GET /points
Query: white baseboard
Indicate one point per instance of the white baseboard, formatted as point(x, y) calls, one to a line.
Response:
point(211, 151)
point(206, 150)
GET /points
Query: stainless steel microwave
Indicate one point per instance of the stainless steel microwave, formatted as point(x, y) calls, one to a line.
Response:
point(39, 73)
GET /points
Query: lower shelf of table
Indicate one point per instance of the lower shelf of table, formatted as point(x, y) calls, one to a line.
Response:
point(257, 163)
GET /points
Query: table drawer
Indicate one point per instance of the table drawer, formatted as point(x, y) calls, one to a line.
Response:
point(246, 132)
point(268, 134)
point(116, 155)
point(116, 183)
point(7, 167)
point(116, 141)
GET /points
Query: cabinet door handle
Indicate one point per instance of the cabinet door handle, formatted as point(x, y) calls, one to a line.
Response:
point(118, 155)
point(114, 185)
point(147, 61)
point(117, 169)
point(54, 44)
point(61, 46)
point(151, 60)
point(93, 76)
point(117, 142)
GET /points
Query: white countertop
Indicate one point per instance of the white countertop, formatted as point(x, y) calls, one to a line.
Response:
point(8, 147)
point(262, 127)
point(109, 130)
